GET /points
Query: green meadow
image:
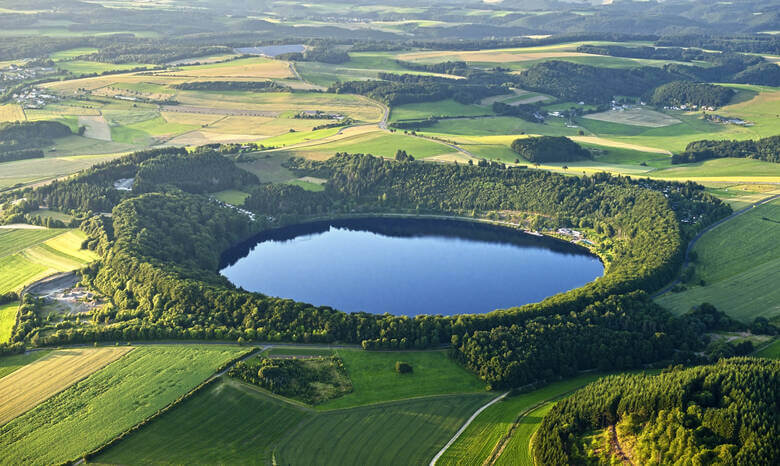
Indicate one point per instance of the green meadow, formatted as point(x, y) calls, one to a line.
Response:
point(738, 262)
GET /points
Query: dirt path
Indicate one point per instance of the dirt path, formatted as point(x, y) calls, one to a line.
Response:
point(709, 228)
point(465, 425)
point(616, 448)
point(96, 127)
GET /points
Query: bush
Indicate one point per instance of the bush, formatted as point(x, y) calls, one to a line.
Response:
point(403, 367)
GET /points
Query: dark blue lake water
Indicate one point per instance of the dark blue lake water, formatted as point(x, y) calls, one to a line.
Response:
point(408, 266)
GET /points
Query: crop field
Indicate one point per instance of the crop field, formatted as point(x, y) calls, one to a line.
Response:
point(9, 364)
point(29, 255)
point(254, 68)
point(203, 429)
point(11, 112)
point(739, 262)
point(406, 432)
point(7, 320)
point(635, 117)
point(30, 385)
point(109, 401)
point(480, 438)
point(34, 170)
point(726, 169)
point(375, 380)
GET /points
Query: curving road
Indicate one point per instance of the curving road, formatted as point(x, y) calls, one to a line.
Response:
point(696, 238)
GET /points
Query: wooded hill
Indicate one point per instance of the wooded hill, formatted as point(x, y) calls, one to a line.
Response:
point(678, 93)
point(725, 413)
point(546, 149)
point(26, 139)
point(766, 149)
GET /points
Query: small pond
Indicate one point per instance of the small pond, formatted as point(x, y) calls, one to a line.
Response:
point(408, 266)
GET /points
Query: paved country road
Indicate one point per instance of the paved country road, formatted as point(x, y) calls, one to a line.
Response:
point(709, 228)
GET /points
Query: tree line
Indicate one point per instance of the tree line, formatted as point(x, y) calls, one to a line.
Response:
point(255, 86)
point(394, 89)
point(766, 149)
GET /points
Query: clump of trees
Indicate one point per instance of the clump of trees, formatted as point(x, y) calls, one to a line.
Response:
point(688, 93)
point(296, 378)
point(24, 140)
point(766, 149)
point(546, 149)
point(457, 68)
point(725, 413)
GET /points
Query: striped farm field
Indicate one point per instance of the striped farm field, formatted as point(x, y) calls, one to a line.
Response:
point(32, 384)
point(93, 411)
point(27, 255)
point(9, 364)
point(518, 450)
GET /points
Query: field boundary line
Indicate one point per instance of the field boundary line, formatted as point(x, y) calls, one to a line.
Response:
point(465, 425)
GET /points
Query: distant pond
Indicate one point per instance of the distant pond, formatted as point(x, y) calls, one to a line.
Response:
point(408, 266)
point(272, 50)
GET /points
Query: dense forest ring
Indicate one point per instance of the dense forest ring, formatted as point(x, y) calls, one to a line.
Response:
point(161, 251)
point(409, 266)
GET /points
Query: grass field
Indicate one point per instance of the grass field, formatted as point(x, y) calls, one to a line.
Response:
point(772, 351)
point(232, 196)
point(35, 170)
point(739, 262)
point(477, 442)
point(407, 432)
point(11, 363)
point(518, 450)
point(635, 117)
point(378, 143)
point(234, 423)
point(7, 320)
point(109, 401)
point(32, 384)
point(29, 255)
point(375, 380)
point(228, 423)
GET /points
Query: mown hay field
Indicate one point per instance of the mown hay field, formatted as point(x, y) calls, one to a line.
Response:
point(91, 412)
point(32, 384)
